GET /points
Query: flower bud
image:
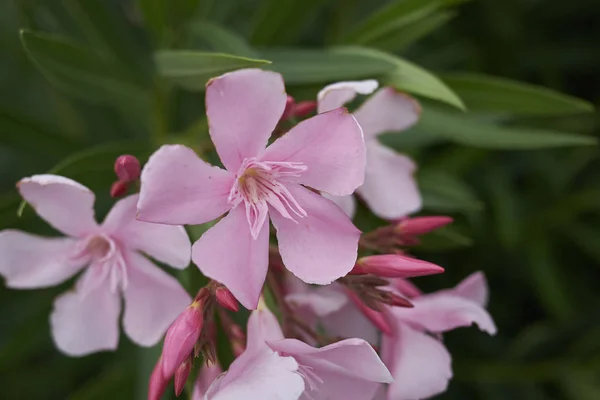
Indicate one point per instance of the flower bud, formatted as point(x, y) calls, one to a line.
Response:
point(118, 189)
point(181, 375)
point(288, 111)
point(376, 317)
point(158, 382)
point(395, 266)
point(407, 288)
point(127, 168)
point(421, 225)
point(304, 108)
point(181, 338)
point(225, 298)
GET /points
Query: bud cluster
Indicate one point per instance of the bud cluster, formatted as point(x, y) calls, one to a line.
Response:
point(128, 170)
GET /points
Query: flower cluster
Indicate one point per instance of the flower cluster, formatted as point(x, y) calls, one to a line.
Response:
point(346, 327)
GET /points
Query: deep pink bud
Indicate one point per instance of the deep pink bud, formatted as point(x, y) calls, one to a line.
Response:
point(288, 112)
point(118, 189)
point(377, 318)
point(421, 225)
point(181, 375)
point(226, 299)
point(127, 168)
point(304, 108)
point(158, 383)
point(399, 301)
point(395, 266)
point(181, 338)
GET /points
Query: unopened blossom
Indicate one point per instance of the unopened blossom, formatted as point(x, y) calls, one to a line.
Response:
point(389, 189)
point(111, 255)
point(395, 266)
point(414, 353)
point(349, 369)
point(317, 241)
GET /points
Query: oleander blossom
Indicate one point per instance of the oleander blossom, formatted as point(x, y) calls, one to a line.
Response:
point(317, 241)
point(86, 319)
point(389, 189)
point(288, 369)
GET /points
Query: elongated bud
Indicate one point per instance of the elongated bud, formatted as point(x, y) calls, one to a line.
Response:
point(288, 112)
point(181, 337)
point(158, 382)
point(226, 299)
point(421, 225)
point(376, 317)
point(395, 266)
point(304, 108)
point(181, 375)
point(398, 301)
point(127, 168)
point(118, 189)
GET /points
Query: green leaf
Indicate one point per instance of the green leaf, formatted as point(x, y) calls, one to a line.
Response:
point(324, 66)
point(468, 131)
point(80, 72)
point(493, 94)
point(444, 192)
point(192, 69)
point(221, 39)
point(444, 239)
point(409, 77)
point(154, 13)
point(389, 18)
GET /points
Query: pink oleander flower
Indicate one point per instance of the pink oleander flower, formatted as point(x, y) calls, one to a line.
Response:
point(418, 360)
point(86, 319)
point(273, 367)
point(317, 241)
point(389, 189)
point(206, 376)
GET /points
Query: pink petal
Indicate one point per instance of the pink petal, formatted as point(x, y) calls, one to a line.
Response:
point(166, 243)
point(474, 288)
point(441, 312)
point(338, 94)
point(259, 376)
point(420, 364)
point(387, 111)
point(243, 109)
point(228, 254)
point(318, 248)
point(207, 375)
point(348, 369)
point(86, 320)
point(331, 146)
point(153, 299)
point(349, 322)
point(390, 189)
point(65, 204)
point(406, 287)
point(346, 203)
point(28, 261)
point(262, 326)
point(321, 301)
point(179, 188)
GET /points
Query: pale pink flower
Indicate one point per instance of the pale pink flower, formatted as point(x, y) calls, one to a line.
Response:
point(389, 189)
point(206, 376)
point(86, 319)
point(317, 241)
point(273, 367)
point(418, 360)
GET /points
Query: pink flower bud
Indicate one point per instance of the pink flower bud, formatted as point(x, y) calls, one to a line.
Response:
point(127, 168)
point(181, 338)
point(118, 189)
point(395, 266)
point(288, 112)
point(158, 383)
point(181, 375)
point(226, 299)
point(377, 318)
point(407, 288)
point(304, 108)
point(421, 225)
point(399, 301)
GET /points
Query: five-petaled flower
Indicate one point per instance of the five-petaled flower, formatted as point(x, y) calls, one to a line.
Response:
point(389, 189)
point(86, 319)
point(317, 241)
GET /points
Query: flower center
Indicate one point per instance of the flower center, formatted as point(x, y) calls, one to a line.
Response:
point(260, 184)
point(310, 378)
point(106, 260)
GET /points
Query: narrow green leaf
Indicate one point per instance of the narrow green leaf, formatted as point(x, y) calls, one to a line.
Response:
point(408, 77)
point(464, 129)
point(80, 72)
point(220, 39)
point(324, 66)
point(392, 16)
point(494, 94)
point(443, 192)
point(192, 70)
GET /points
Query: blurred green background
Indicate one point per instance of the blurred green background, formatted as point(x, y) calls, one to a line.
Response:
point(518, 171)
